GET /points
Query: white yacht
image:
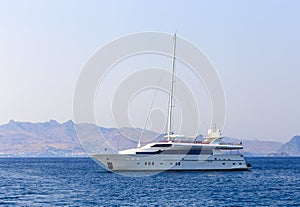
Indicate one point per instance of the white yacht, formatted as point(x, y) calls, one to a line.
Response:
point(178, 155)
point(178, 152)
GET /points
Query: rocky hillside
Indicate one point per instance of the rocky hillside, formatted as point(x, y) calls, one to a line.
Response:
point(51, 138)
point(39, 139)
point(292, 147)
point(60, 139)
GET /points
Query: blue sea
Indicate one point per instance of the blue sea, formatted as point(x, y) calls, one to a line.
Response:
point(82, 182)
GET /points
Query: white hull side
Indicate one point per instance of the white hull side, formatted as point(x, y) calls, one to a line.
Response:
point(121, 162)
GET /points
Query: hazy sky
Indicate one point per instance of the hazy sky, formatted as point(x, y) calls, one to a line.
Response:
point(254, 45)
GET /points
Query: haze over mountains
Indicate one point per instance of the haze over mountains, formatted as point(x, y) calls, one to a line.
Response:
point(26, 139)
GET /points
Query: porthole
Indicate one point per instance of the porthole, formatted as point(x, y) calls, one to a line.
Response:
point(138, 163)
point(152, 163)
point(240, 163)
point(233, 163)
point(145, 163)
point(161, 163)
point(223, 163)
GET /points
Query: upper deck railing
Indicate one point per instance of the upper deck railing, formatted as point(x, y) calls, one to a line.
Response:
point(204, 142)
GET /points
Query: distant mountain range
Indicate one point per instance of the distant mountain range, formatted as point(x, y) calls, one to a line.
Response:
point(26, 139)
point(292, 147)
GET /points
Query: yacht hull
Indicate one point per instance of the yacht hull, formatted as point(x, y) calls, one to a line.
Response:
point(122, 162)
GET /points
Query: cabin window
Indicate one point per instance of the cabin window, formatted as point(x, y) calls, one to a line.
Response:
point(151, 153)
point(138, 163)
point(177, 163)
point(233, 163)
point(145, 163)
point(162, 145)
point(174, 151)
point(223, 163)
point(152, 163)
point(240, 163)
point(161, 163)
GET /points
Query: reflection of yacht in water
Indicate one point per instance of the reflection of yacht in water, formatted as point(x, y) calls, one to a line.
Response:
point(176, 153)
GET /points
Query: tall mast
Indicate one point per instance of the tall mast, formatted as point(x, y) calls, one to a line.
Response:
point(171, 98)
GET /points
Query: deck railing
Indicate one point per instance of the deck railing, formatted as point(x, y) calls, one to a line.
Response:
point(203, 142)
